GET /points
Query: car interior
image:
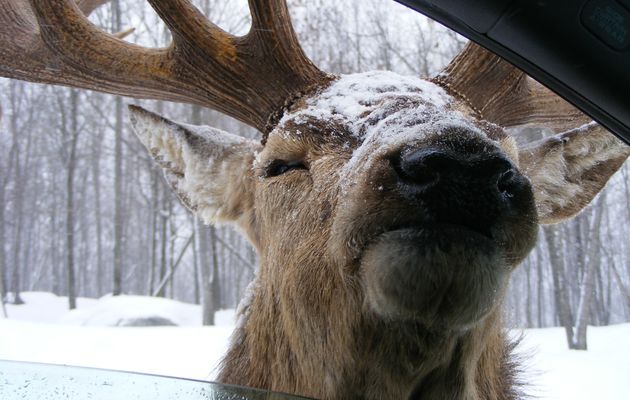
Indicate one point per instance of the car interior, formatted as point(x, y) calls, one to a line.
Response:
point(578, 48)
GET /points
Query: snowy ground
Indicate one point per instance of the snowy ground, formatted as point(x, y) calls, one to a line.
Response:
point(43, 330)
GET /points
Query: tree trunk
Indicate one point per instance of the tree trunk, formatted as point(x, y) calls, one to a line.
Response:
point(164, 217)
point(18, 200)
point(171, 257)
point(216, 284)
point(118, 177)
point(71, 166)
point(588, 280)
point(528, 298)
point(155, 217)
point(3, 293)
point(169, 278)
point(3, 239)
point(195, 253)
point(57, 268)
point(208, 306)
point(97, 143)
point(15, 279)
point(563, 308)
point(622, 287)
point(541, 287)
point(118, 212)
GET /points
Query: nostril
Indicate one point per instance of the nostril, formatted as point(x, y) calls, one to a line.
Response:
point(417, 168)
point(423, 176)
point(507, 182)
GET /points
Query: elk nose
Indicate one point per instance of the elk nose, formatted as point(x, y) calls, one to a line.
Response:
point(475, 189)
point(429, 170)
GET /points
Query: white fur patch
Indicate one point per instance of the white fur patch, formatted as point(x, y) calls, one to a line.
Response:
point(196, 172)
point(557, 165)
point(349, 98)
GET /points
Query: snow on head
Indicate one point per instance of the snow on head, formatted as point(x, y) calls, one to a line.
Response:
point(382, 110)
point(352, 97)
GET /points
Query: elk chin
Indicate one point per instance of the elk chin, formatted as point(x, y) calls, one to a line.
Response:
point(445, 278)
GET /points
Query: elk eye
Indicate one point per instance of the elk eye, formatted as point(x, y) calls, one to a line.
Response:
point(279, 167)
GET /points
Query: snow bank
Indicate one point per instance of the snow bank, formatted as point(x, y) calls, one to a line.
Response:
point(552, 372)
point(190, 352)
point(44, 307)
point(115, 310)
point(43, 330)
point(109, 310)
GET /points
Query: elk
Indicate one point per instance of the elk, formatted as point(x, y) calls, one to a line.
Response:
point(388, 211)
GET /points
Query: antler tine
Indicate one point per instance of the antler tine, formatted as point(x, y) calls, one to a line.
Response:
point(108, 63)
point(22, 52)
point(273, 38)
point(250, 78)
point(505, 95)
point(190, 27)
point(56, 44)
point(273, 32)
point(258, 73)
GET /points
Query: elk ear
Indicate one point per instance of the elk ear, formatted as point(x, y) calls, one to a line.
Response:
point(209, 169)
point(567, 170)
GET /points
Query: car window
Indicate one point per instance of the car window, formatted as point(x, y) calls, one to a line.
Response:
point(40, 381)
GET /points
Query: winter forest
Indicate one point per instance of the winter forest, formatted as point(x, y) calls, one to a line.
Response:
point(85, 212)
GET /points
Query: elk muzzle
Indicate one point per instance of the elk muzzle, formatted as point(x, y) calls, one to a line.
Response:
point(444, 264)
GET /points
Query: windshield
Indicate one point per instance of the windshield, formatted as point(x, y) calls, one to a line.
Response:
point(21, 380)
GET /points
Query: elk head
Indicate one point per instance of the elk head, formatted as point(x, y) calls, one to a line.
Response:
point(388, 211)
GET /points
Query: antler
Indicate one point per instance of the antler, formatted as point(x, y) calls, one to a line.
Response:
point(505, 95)
point(249, 78)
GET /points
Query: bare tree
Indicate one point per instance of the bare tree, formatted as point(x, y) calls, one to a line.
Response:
point(20, 158)
point(70, 135)
point(578, 341)
point(5, 164)
point(118, 174)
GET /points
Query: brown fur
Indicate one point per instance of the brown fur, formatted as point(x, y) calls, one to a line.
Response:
point(323, 342)
point(332, 234)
